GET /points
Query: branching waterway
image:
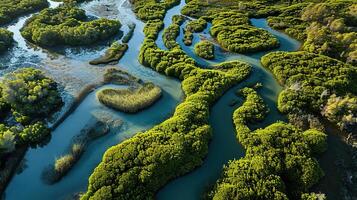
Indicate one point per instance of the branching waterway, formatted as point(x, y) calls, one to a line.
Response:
point(70, 68)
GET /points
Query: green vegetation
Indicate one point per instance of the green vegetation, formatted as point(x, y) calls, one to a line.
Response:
point(139, 166)
point(64, 164)
point(178, 19)
point(342, 111)
point(311, 80)
point(7, 139)
point(194, 26)
point(279, 161)
point(11, 9)
point(205, 49)
point(326, 28)
point(151, 9)
point(34, 134)
point(67, 25)
point(170, 35)
point(31, 97)
point(130, 100)
point(152, 28)
point(6, 39)
point(30, 93)
point(115, 52)
point(235, 34)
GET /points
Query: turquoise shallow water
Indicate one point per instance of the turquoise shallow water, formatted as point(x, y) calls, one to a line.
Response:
point(223, 147)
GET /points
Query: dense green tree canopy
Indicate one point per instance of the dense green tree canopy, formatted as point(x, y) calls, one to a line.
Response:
point(234, 33)
point(6, 39)
point(29, 92)
point(311, 79)
point(11, 9)
point(67, 25)
point(205, 49)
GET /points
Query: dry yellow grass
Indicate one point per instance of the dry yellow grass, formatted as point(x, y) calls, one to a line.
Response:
point(130, 100)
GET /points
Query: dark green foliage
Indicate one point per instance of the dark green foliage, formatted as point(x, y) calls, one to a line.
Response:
point(178, 19)
point(309, 79)
point(205, 49)
point(11, 9)
point(115, 52)
point(30, 93)
point(325, 28)
point(6, 39)
point(7, 139)
point(151, 9)
point(194, 26)
point(34, 134)
point(290, 22)
point(170, 35)
point(235, 34)
point(152, 28)
point(278, 163)
point(67, 25)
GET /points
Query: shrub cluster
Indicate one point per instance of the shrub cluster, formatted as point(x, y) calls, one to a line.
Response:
point(67, 25)
point(193, 26)
point(151, 9)
point(170, 35)
point(205, 49)
point(6, 39)
point(310, 80)
point(325, 28)
point(31, 97)
point(30, 93)
point(235, 34)
point(11, 9)
point(130, 100)
point(279, 161)
point(152, 28)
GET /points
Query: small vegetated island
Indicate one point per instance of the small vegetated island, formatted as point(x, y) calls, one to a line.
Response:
point(205, 49)
point(233, 32)
point(113, 54)
point(67, 25)
point(132, 99)
point(193, 26)
point(12, 9)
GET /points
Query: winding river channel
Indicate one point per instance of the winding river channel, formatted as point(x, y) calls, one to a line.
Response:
point(71, 69)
